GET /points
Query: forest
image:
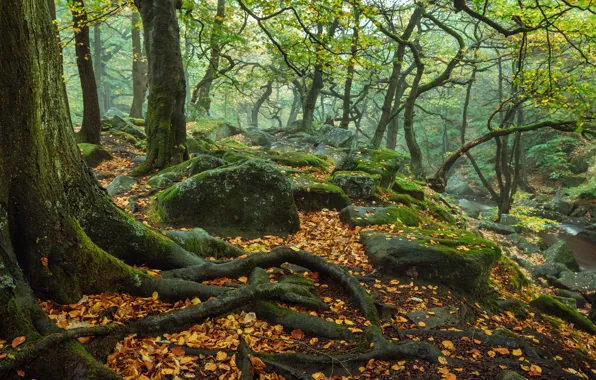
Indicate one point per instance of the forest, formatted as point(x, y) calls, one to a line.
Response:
point(330, 189)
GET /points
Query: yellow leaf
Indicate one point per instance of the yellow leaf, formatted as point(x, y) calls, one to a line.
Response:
point(442, 360)
point(196, 301)
point(210, 367)
point(221, 356)
point(517, 352)
point(448, 345)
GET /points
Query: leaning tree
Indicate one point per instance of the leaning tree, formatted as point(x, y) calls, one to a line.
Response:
point(61, 236)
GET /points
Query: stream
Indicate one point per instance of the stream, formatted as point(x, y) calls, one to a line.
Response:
point(583, 249)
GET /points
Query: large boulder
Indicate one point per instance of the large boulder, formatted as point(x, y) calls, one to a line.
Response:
point(524, 244)
point(200, 145)
point(552, 306)
point(457, 258)
point(121, 184)
point(93, 155)
point(367, 216)
point(250, 199)
point(382, 162)
point(195, 165)
point(457, 185)
point(213, 129)
point(297, 159)
point(471, 208)
point(356, 184)
point(561, 253)
point(337, 137)
point(581, 282)
point(312, 194)
point(259, 138)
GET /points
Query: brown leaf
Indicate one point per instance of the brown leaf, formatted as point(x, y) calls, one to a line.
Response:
point(18, 341)
point(44, 261)
point(177, 350)
point(297, 334)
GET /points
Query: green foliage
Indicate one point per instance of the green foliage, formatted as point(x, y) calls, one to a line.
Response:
point(551, 156)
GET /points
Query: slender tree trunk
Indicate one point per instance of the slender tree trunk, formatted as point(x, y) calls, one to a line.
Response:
point(410, 136)
point(166, 124)
point(262, 99)
point(98, 66)
point(295, 108)
point(139, 69)
point(394, 124)
point(202, 91)
point(91, 129)
point(347, 104)
point(398, 58)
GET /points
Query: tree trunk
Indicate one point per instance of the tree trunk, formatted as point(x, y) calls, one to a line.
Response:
point(410, 136)
point(139, 69)
point(398, 58)
point(98, 66)
point(347, 104)
point(91, 129)
point(202, 91)
point(295, 108)
point(262, 99)
point(394, 124)
point(166, 124)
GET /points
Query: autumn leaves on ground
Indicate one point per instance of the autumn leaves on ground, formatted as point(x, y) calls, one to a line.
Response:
point(474, 338)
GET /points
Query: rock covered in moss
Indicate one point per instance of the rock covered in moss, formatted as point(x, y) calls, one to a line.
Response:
point(457, 259)
point(298, 159)
point(403, 186)
point(580, 301)
point(200, 145)
point(384, 163)
point(160, 181)
point(257, 137)
point(250, 199)
point(582, 282)
point(312, 194)
point(121, 184)
point(199, 242)
point(367, 216)
point(552, 306)
point(356, 184)
point(120, 124)
point(497, 227)
point(213, 129)
point(195, 165)
point(94, 155)
point(561, 253)
point(439, 317)
point(336, 137)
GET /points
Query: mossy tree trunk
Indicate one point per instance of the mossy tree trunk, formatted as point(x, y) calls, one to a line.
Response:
point(166, 123)
point(91, 128)
point(262, 99)
point(139, 69)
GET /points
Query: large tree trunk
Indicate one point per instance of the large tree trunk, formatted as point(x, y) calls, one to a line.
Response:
point(166, 123)
point(91, 128)
point(409, 133)
point(139, 69)
point(202, 91)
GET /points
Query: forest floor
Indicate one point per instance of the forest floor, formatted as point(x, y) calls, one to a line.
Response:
point(207, 350)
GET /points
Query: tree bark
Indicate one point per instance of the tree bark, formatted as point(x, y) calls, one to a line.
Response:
point(98, 66)
point(347, 104)
point(410, 136)
point(166, 123)
point(202, 92)
point(91, 129)
point(398, 58)
point(139, 69)
point(262, 99)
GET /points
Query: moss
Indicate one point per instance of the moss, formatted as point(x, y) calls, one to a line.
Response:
point(516, 277)
point(212, 128)
point(312, 194)
point(298, 159)
point(233, 144)
point(383, 162)
point(366, 216)
point(403, 186)
point(191, 167)
point(136, 121)
point(93, 154)
point(441, 213)
point(550, 305)
point(200, 145)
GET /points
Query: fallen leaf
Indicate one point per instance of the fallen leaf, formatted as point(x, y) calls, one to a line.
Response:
point(18, 341)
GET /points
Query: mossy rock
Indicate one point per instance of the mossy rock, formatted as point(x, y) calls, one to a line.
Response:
point(561, 253)
point(160, 181)
point(213, 129)
point(516, 278)
point(94, 155)
point(298, 159)
point(120, 124)
point(367, 216)
point(200, 145)
point(550, 305)
point(403, 186)
point(195, 165)
point(441, 213)
point(405, 199)
point(199, 242)
point(382, 162)
point(249, 199)
point(455, 258)
point(229, 143)
point(234, 156)
point(312, 194)
point(356, 184)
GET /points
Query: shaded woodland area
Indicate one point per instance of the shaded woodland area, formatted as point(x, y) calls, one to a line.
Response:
point(243, 189)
